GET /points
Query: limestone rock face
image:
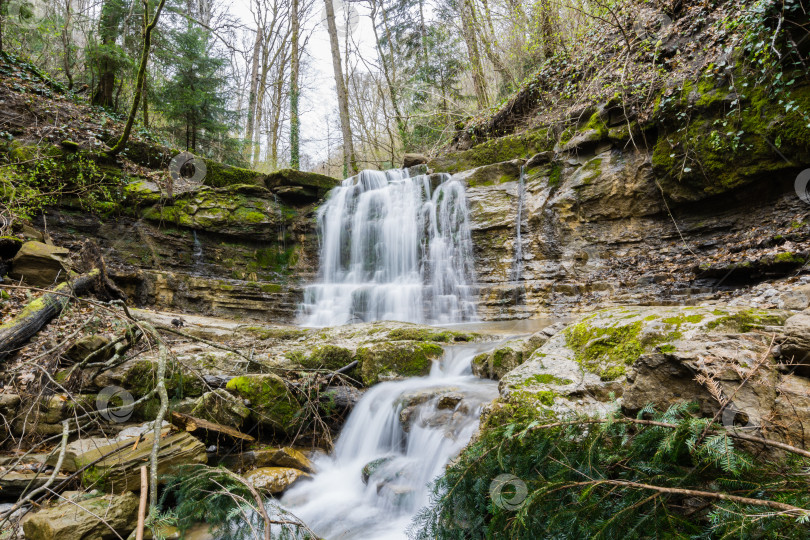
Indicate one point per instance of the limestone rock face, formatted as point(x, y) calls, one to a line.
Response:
point(637, 356)
point(77, 519)
point(270, 457)
point(796, 348)
point(623, 352)
point(40, 264)
point(274, 480)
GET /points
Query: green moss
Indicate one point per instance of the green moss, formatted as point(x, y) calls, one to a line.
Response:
point(788, 257)
point(428, 334)
point(747, 320)
point(142, 378)
point(270, 287)
point(556, 174)
point(248, 216)
point(219, 175)
point(329, 357)
point(680, 319)
point(396, 359)
point(546, 397)
point(544, 378)
point(495, 151)
point(272, 404)
point(720, 150)
point(667, 348)
point(605, 351)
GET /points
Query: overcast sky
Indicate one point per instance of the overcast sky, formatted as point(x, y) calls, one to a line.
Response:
point(319, 99)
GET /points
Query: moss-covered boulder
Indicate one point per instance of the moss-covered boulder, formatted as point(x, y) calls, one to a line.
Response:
point(221, 407)
point(82, 518)
point(331, 357)
point(300, 185)
point(499, 362)
point(396, 359)
point(219, 175)
point(518, 146)
point(272, 403)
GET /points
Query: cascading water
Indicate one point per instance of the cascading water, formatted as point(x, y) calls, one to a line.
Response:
point(197, 254)
point(398, 438)
point(393, 247)
point(517, 263)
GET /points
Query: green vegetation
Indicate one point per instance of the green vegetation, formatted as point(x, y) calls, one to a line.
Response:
point(609, 480)
point(428, 334)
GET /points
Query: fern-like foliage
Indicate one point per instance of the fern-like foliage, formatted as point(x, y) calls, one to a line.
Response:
point(213, 495)
point(574, 474)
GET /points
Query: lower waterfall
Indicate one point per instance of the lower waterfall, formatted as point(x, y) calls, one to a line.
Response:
point(398, 438)
point(393, 247)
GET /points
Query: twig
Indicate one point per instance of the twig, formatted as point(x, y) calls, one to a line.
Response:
point(142, 504)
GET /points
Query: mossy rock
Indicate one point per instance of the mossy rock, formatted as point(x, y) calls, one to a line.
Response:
point(291, 178)
point(396, 359)
point(520, 146)
point(219, 175)
point(428, 334)
point(728, 152)
point(272, 404)
point(498, 363)
point(329, 357)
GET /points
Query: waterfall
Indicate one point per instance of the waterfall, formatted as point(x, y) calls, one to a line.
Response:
point(399, 437)
point(197, 254)
point(280, 232)
point(517, 263)
point(393, 247)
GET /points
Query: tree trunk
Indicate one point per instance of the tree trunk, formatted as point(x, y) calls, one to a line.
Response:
point(349, 159)
point(254, 84)
point(108, 30)
point(15, 333)
point(468, 25)
point(148, 27)
point(295, 157)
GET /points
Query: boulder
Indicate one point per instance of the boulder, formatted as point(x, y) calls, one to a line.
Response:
point(272, 404)
point(412, 160)
point(274, 480)
point(87, 345)
point(449, 401)
point(40, 265)
point(79, 519)
point(393, 360)
point(499, 362)
point(221, 407)
point(269, 457)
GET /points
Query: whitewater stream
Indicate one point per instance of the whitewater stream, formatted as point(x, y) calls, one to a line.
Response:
point(408, 431)
point(393, 247)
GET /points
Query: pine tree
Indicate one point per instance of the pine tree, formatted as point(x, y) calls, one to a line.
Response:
point(193, 99)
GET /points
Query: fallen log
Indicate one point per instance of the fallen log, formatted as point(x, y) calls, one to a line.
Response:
point(191, 424)
point(15, 333)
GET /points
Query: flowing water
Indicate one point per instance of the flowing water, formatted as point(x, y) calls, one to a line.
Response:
point(517, 263)
point(197, 254)
point(393, 247)
point(408, 431)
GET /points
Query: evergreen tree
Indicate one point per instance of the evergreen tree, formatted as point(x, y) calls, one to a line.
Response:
point(194, 102)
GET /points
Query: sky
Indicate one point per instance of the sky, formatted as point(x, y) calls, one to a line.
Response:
point(319, 99)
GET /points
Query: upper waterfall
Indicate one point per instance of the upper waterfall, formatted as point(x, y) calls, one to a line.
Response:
point(393, 247)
